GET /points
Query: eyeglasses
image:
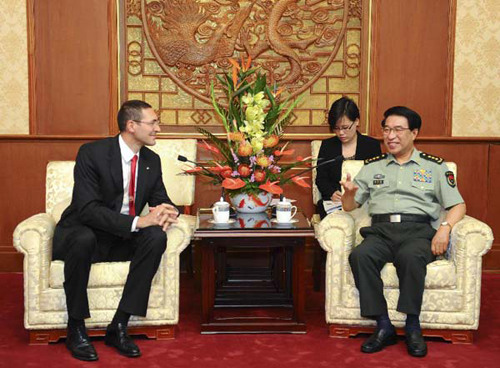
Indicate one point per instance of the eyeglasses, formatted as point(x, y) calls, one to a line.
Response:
point(398, 130)
point(151, 123)
point(344, 128)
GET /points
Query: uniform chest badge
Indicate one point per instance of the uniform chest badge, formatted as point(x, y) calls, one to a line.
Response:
point(378, 179)
point(450, 179)
point(422, 176)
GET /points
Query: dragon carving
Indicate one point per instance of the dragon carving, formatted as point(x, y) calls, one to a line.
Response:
point(176, 39)
point(175, 25)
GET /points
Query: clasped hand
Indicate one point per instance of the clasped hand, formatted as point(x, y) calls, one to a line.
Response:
point(162, 215)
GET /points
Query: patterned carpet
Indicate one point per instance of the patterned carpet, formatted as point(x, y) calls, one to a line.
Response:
point(190, 349)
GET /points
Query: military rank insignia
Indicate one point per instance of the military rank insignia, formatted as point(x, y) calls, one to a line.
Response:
point(378, 179)
point(422, 176)
point(450, 179)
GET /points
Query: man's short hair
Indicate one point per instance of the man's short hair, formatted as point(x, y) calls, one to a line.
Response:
point(342, 107)
point(131, 110)
point(414, 119)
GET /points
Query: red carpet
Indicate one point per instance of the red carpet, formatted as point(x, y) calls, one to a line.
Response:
point(190, 349)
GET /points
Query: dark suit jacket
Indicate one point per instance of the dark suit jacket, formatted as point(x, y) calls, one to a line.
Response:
point(98, 190)
point(328, 176)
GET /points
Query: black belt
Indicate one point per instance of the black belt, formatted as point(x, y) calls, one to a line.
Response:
point(400, 217)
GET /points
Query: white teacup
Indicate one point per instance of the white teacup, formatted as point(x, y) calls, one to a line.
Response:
point(220, 210)
point(285, 212)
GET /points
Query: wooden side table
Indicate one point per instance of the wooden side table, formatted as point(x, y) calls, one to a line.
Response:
point(259, 302)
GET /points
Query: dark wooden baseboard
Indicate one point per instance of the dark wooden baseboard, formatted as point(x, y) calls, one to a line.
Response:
point(454, 336)
point(43, 337)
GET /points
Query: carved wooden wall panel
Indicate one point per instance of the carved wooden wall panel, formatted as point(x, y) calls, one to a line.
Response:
point(172, 50)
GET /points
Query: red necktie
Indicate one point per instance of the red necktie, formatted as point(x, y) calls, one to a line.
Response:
point(131, 187)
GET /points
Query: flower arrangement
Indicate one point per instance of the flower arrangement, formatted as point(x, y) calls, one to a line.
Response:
point(247, 159)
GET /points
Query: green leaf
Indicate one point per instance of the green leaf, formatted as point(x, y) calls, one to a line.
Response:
point(218, 108)
point(220, 144)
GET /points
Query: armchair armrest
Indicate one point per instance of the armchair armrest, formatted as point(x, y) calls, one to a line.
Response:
point(336, 232)
point(470, 240)
point(33, 238)
point(179, 235)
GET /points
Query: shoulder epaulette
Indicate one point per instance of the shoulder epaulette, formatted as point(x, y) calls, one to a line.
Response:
point(432, 158)
point(375, 159)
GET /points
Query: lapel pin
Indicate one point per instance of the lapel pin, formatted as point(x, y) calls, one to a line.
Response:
point(147, 167)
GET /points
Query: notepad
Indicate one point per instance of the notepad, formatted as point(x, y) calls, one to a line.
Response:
point(331, 206)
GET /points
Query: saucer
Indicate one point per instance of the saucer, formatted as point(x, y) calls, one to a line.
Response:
point(230, 221)
point(292, 221)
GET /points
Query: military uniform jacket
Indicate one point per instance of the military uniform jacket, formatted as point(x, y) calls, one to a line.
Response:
point(421, 186)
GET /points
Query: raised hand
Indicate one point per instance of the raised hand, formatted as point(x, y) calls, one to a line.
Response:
point(350, 189)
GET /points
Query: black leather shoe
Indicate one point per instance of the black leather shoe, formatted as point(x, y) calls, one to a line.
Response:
point(116, 335)
point(78, 343)
point(379, 339)
point(416, 344)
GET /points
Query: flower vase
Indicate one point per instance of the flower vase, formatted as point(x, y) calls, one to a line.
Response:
point(251, 203)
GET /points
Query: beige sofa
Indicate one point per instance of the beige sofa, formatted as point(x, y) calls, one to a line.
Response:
point(452, 289)
point(44, 299)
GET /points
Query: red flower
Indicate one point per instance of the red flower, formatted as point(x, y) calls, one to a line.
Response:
point(260, 175)
point(231, 183)
point(271, 187)
point(208, 147)
point(244, 170)
point(226, 173)
point(219, 169)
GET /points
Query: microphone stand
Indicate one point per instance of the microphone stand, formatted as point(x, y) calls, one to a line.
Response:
point(339, 157)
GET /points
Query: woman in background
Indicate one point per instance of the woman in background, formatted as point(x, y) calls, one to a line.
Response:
point(343, 119)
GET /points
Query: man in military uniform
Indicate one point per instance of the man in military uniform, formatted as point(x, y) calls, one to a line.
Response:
point(406, 190)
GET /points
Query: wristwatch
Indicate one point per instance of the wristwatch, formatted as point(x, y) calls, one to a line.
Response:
point(446, 223)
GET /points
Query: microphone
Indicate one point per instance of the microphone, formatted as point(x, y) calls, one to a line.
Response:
point(185, 159)
point(339, 157)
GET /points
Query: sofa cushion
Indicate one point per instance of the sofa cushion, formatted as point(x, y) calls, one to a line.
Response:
point(441, 274)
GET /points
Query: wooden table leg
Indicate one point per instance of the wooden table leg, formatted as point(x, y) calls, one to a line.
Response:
point(207, 282)
point(298, 281)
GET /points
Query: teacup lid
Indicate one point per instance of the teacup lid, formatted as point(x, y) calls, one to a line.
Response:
point(221, 201)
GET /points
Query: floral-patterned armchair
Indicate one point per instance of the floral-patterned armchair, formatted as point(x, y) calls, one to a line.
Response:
point(452, 293)
point(45, 313)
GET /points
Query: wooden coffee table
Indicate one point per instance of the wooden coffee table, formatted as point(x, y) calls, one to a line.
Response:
point(253, 300)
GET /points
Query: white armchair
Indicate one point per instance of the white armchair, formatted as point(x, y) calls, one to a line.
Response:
point(44, 299)
point(452, 293)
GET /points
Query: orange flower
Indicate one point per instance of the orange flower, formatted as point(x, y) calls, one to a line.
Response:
point(263, 161)
point(236, 136)
point(271, 187)
point(231, 183)
point(245, 149)
point(271, 141)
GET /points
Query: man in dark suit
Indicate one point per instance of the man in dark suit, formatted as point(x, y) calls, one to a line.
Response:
point(114, 179)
